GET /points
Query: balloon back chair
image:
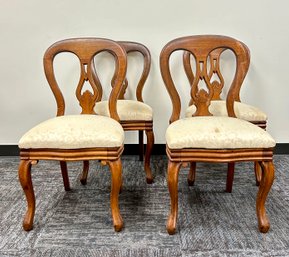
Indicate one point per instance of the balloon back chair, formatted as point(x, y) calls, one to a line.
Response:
point(207, 138)
point(77, 137)
point(218, 106)
point(135, 114)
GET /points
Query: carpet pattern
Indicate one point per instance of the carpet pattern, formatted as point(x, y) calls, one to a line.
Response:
point(78, 223)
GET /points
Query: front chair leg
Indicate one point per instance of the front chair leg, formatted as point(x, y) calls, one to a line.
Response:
point(65, 177)
point(116, 181)
point(258, 172)
point(24, 174)
point(192, 174)
point(83, 178)
point(264, 188)
point(149, 147)
point(230, 177)
point(173, 171)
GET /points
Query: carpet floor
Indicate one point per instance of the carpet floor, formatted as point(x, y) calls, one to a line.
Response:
point(211, 222)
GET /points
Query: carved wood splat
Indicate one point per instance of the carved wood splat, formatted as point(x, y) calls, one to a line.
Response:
point(86, 99)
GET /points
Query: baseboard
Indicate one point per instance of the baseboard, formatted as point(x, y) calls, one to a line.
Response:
point(133, 149)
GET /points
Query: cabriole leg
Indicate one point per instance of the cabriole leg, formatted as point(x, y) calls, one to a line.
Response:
point(173, 171)
point(116, 181)
point(264, 188)
point(149, 147)
point(24, 174)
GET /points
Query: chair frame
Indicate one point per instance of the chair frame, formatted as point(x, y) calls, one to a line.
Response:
point(214, 59)
point(139, 125)
point(85, 49)
point(206, 44)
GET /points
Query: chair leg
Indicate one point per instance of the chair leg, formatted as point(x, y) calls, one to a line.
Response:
point(83, 178)
point(258, 173)
point(264, 188)
point(173, 171)
point(24, 174)
point(140, 144)
point(116, 181)
point(230, 177)
point(192, 174)
point(149, 147)
point(63, 166)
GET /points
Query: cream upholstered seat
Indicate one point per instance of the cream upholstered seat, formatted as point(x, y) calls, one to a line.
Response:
point(74, 132)
point(127, 110)
point(216, 133)
point(243, 111)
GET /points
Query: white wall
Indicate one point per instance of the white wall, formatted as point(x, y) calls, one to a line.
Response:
point(27, 28)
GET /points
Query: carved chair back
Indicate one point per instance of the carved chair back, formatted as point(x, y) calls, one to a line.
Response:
point(86, 49)
point(131, 47)
point(204, 48)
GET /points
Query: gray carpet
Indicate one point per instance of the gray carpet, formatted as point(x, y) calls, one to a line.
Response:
point(78, 223)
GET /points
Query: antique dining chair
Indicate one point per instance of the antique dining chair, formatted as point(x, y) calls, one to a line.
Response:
point(134, 114)
point(218, 106)
point(77, 137)
point(207, 138)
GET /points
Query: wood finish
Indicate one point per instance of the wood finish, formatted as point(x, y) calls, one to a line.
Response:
point(217, 86)
point(203, 47)
point(139, 125)
point(85, 49)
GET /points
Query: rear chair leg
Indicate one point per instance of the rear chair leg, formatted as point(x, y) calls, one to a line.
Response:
point(63, 166)
point(149, 147)
point(258, 173)
point(230, 177)
point(83, 178)
point(192, 174)
point(140, 144)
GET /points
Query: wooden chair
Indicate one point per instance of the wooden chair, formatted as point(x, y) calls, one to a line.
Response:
point(134, 114)
point(207, 138)
point(218, 106)
point(77, 137)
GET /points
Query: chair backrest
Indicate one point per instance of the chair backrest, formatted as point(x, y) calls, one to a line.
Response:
point(130, 47)
point(214, 59)
point(86, 49)
point(205, 47)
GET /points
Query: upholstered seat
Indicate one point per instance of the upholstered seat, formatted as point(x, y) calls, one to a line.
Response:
point(74, 132)
point(242, 111)
point(127, 110)
point(216, 133)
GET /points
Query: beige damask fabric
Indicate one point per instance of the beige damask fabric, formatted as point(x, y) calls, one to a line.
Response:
point(127, 110)
point(74, 132)
point(216, 133)
point(242, 111)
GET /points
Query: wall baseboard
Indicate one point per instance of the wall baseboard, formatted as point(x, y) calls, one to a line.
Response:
point(132, 149)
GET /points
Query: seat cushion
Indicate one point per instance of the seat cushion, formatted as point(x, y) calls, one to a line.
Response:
point(242, 111)
point(74, 132)
point(127, 110)
point(216, 133)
